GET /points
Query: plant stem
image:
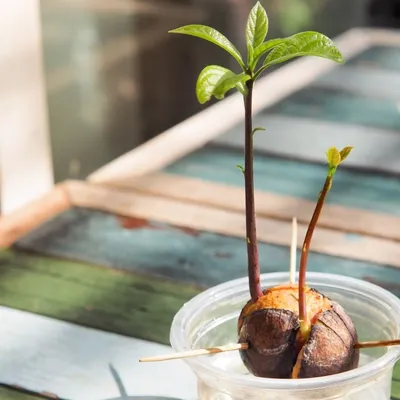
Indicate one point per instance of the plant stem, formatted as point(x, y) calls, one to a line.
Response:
point(251, 231)
point(304, 323)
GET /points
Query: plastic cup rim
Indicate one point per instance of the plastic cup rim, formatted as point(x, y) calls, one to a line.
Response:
point(363, 373)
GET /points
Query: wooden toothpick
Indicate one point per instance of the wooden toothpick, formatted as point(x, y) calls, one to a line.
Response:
point(293, 253)
point(199, 352)
point(377, 343)
point(245, 346)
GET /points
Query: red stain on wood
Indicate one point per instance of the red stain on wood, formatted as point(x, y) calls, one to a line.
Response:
point(50, 395)
point(140, 223)
point(134, 223)
point(188, 231)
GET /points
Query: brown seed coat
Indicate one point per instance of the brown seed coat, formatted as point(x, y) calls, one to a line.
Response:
point(276, 349)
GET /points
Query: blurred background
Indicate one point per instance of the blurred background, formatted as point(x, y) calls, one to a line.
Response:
point(115, 78)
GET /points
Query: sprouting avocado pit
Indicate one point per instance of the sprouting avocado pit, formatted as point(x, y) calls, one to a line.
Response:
point(271, 327)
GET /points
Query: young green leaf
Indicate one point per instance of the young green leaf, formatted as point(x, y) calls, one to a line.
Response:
point(215, 80)
point(333, 157)
point(240, 168)
point(302, 44)
point(228, 82)
point(262, 49)
point(241, 86)
point(257, 130)
point(344, 153)
point(256, 29)
point(213, 36)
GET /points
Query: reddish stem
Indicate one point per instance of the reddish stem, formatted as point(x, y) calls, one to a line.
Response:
point(304, 323)
point(251, 232)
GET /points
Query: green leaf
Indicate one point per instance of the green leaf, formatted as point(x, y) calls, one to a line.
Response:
point(240, 168)
point(213, 36)
point(302, 44)
point(262, 49)
point(228, 82)
point(242, 88)
point(257, 129)
point(208, 80)
point(215, 80)
point(333, 156)
point(344, 153)
point(256, 29)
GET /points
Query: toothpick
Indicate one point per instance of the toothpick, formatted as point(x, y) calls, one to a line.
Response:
point(377, 343)
point(293, 253)
point(199, 352)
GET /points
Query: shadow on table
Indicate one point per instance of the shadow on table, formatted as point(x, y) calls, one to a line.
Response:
point(124, 394)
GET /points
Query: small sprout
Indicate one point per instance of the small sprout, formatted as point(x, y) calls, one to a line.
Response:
point(334, 157)
point(257, 130)
point(345, 152)
point(240, 168)
point(287, 335)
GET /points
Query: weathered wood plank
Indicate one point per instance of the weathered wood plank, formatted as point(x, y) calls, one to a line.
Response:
point(379, 57)
point(354, 189)
point(338, 106)
point(363, 81)
point(143, 247)
point(209, 219)
point(77, 363)
point(23, 220)
point(309, 138)
point(269, 204)
point(102, 298)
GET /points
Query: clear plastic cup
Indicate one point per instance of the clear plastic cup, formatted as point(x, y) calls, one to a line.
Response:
point(209, 319)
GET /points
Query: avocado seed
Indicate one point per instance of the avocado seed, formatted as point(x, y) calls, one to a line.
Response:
point(277, 349)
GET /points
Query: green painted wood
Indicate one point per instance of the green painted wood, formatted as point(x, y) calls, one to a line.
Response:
point(384, 57)
point(10, 394)
point(138, 304)
point(374, 192)
point(92, 296)
point(335, 105)
point(396, 382)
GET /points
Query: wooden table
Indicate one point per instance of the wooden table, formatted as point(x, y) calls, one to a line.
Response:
point(93, 273)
